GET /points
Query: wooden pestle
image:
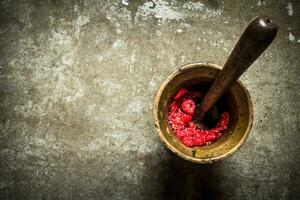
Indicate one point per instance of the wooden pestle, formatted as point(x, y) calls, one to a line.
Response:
point(255, 39)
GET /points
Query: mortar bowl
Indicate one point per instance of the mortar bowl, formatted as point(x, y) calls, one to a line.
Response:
point(236, 101)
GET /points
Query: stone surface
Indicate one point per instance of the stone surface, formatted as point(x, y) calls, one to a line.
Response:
point(77, 80)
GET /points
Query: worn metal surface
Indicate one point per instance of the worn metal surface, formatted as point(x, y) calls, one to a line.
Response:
point(77, 83)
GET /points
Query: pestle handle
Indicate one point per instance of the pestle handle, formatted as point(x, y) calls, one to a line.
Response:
point(255, 39)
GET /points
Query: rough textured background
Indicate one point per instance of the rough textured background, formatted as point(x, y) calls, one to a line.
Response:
point(77, 80)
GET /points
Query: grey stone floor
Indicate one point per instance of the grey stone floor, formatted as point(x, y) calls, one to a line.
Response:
point(77, 80)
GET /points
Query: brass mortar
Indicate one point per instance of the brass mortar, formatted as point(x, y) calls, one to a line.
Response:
point(238, 103)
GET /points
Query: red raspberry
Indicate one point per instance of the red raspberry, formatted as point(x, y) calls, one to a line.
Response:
point(213, 131)
point(175, 120)
point(223, 123)
point(184, 117)
point(177, 126)
point(173, 106)
point(180, 119)
point(199, 141)
point(200, 133)
point(188, 106)
point(180, 94)
point(190, 132)
point(192, 125)
point(188, 141)
point(180, 134)
point(210, 137)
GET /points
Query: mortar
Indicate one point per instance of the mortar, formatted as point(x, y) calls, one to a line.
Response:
point(225, 91)
point(236, 101)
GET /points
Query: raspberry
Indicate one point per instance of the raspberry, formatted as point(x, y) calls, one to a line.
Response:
point(175, 120)
point(200, 133)
point(185, 117)
point(180, 94)
point(173, 106)
point(188, 106)
point(177, 126)
point(180, 119)
point(223, 123)
point(213, 131)
point(190, 132)
point(199, 141)
point(192, 125)
point(188, 141)
point(180, 134)
point(210, 137)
